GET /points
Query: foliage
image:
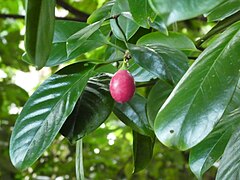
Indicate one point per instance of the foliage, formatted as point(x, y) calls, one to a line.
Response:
point(187, 94)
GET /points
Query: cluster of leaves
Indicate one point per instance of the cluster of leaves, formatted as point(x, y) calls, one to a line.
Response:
point(194, 107)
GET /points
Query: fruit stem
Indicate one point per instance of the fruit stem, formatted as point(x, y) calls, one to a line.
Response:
point(79, 161)
point(124, 65)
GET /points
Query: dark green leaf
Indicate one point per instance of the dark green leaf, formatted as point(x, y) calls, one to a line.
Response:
point(159, 25)
point(173, 11)
point(142, 151)
point(79, 39)
point(235, 101)
point(224, 10)
point(229, 167)
point(112, 53)
point(40, 19)
point(207, 152)
point(141, 12)
point(101, 13)
point(149, 60)
point(128, 26)
point(199, 100)
point(92, 109)
point(45, 112)
point(14, 93)
point(221, 26)
point(157, 96)
point(63, 31)
point(133, 114)
point(164, 62)
point(139, 74)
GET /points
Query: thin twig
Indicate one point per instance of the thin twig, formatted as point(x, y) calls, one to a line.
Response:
point(83, 16)
point(17, 16)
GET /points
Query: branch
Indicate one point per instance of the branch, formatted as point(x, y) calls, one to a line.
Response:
point(13, 16)
point(16, 16)
point(82, 16)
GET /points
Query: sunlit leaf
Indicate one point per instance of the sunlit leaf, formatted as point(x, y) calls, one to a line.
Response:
point(200, 98)
point(45, 112)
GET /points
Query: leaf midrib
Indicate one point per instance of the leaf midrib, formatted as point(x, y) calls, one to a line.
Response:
point(210, 69)
point(43, 122)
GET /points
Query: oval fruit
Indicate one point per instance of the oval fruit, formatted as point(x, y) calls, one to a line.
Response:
point(122, 86)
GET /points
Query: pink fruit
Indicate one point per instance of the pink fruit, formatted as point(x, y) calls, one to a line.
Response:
point(122, 86)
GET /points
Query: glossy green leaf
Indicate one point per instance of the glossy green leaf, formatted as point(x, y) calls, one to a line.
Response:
point(172, 40)
point(164, 62)
point(133, 114)
point(235, 101)
point(200, 98)
point(173, 11)
point(79, 39)
point(92, 109)
point(45, 112)
point(229, 167)
point(128, 26)
point(140, 74)
point(142, 151)
point(207, 152)
point(101, 13)
point(40, 17)
point(224, 10)
point(141, 12)
point(157, 96)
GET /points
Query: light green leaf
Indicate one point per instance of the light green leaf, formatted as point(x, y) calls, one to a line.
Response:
point(200, 98)
point(45, 112)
